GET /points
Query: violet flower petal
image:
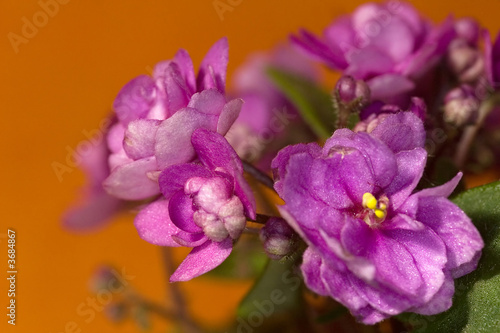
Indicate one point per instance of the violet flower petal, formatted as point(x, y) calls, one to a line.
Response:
point(202, 259)
point(383, 164)
point(316, 48)
point(131, 181)
point(215, 152)
point(173, 178)
point(212, 71)
point(281, 160)
point(180, 209)
point(154, 225)
point(462, 239)
point(173, 138)
point(139, 138)
point(135, 99)
point(183, 60)
point(188, 239)
point(441, 301)
point(311, 271)
point(387, 85)
point(401, 131)
point(208, 101)
point(411, 164)
point(228, 115)
point(92, 213)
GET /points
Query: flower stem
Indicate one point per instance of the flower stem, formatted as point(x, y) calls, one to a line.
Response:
point(181, 314)
point(259, 175)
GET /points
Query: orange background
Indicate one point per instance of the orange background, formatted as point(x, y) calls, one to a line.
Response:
point(62, 82)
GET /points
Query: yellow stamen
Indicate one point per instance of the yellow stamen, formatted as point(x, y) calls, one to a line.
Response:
point(382, 206)
point(380, 213)
point(369, 201)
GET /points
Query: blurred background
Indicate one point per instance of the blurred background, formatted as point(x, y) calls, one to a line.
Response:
point(58, 83)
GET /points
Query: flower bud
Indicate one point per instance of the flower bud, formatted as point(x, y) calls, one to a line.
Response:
point(467, 29)
point(461, 106)
point(349, 89)
point(117, 311)
point(278, 238)
point(465, 62)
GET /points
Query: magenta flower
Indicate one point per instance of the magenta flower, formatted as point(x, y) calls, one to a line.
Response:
point(374, 245)
point(97, 206)
point(388, 45)
point(205, 206)
point(157, 116)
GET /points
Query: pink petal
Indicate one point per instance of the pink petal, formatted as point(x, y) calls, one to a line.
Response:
point(93, 213)
point(463, 241)
point(183, 60)
point(154, 225)
point(177, 92)
point(115, 137)
point(441, 301)
point(208, 101)
point(401, 131)
point(188, 239)
point(215, 152)
point(387, 85)
point(228, 115)
point(367, 62)
point(212, 72)
point(181, 212)
point(139, 141)
point(311, 263)
point(202, 259)
point(135, 99)
point(173, 138)
point(411, 164)
point(175, 177)
point(131, 181)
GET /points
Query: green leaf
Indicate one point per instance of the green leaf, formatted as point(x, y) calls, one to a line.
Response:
point(314, 104)
point(274, 302)
point(476, 303)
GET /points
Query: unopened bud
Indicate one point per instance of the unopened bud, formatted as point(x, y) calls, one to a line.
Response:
point(467, 29)
point(349, 89)
point(461, 106)
point(465, 62)
point(278, 238)
point(117, 312)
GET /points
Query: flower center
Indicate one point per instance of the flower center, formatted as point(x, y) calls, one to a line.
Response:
point(375, 210)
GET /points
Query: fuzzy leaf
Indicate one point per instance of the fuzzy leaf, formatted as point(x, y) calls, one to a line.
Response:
point(314, 104)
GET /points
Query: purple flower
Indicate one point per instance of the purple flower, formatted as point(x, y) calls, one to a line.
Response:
point(374, 245)
point(157, 116)
point(205, 206)
point(98, 206)
point(388, 45)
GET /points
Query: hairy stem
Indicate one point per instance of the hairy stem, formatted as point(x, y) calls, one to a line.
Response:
point(181, 314)
point(259, 175)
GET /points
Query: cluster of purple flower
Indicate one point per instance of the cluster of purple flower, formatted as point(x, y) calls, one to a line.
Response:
point(373, 241)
